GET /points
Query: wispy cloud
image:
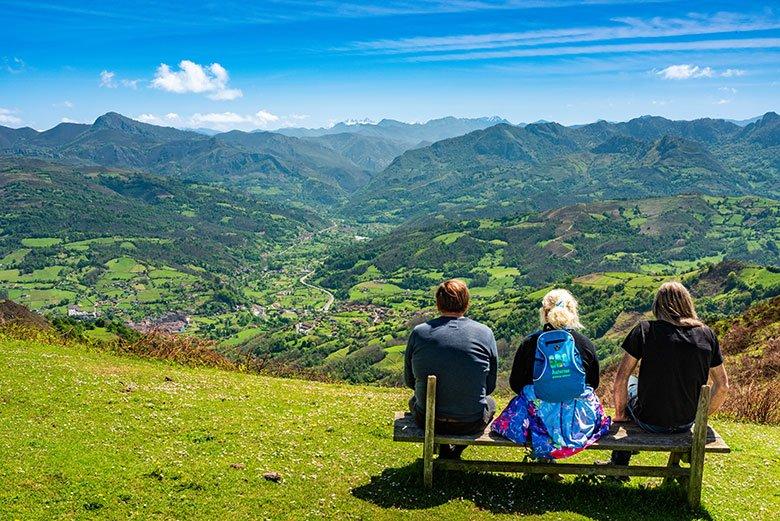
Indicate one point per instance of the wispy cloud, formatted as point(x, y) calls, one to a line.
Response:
point(687, 71)
point(107, 79)
point(230, 12)
point(623, 28)
point(192, 77)
point(731, 73)
point(64, 104)
point(9, 117)
point(703, 45)
point(13, 64)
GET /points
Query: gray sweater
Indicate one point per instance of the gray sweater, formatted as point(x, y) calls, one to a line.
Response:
point(462, 354)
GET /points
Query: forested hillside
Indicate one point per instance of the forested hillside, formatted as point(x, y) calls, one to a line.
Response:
point(540, 166)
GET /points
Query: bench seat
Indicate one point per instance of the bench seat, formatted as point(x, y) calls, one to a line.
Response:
point(623, 436)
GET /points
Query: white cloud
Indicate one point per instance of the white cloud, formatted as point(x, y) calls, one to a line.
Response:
point(218, 119)
point(8, 117)
point(722, 101)
point(264, 118)
point(731, 73)
point(230, 120)
point(684, 72)
point(68, 120)
point(148, 118)
point(731, 90)
point(660, 102)
point(107, 79)
point(172, 116)
point(192, 77)
point(687, 71)
point(66, 104)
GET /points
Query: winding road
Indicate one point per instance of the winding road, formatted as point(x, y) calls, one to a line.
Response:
point(309, 273)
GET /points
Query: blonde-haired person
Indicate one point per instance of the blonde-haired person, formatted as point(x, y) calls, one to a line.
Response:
point(559, 310)
point(556, 409)
point(679, 353)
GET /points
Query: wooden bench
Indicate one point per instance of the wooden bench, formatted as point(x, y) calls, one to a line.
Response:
point(689, 447)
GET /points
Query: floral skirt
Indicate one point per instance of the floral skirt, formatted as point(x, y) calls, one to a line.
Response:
point(554, 430)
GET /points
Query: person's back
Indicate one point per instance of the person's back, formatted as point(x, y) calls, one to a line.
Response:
point(557, 411)
point(679, 354)
point(676, 362)
point(461, 353)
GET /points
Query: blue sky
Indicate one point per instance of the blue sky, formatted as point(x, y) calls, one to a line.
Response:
point(311, 63)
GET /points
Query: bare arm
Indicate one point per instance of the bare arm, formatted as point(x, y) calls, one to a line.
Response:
point(626, 367)
point(720, 387)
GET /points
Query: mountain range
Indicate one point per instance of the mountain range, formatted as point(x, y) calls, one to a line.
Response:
point(390, 172)
point(545, 165)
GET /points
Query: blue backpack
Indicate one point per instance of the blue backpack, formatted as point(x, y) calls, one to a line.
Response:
point(558, 372)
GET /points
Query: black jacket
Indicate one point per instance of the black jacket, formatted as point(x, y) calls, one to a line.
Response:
point(523, 366)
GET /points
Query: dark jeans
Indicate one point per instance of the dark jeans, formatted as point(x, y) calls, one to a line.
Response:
point(622, 457)
point(446, 426)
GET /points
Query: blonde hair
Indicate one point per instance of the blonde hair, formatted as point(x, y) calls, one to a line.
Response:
point(559, 309)
point(674, 304)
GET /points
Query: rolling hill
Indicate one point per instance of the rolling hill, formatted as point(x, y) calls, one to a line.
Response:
point(505, 168)
point(137, 242)
point(573, 240)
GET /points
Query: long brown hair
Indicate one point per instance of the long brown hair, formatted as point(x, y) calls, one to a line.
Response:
point(673, 303)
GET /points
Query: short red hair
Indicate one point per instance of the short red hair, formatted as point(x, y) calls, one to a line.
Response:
point(452, 296)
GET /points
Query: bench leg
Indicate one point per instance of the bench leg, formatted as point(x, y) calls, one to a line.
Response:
point(699, 442)
point(427, 467)
point(674, 461)
point(428, 445)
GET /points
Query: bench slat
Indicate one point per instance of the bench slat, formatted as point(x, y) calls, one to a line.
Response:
point(564, 468)
point(624, 436)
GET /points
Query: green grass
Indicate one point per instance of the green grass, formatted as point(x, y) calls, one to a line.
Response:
point(14, 257)
point(369, 290)
point(88, 435)
point(242, 336)
point(41, 242)
point(449, 238)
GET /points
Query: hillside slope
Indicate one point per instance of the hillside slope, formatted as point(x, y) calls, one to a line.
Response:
point(265, 163)
point(545, 165)
point(86, 434)
point(573, 240)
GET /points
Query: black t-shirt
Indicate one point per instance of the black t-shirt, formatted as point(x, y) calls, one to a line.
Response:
point(523, 366)
point(676, 362)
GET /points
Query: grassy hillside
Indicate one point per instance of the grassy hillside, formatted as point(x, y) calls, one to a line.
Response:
point(89, 435)
point(653, 236)
point(128, 242)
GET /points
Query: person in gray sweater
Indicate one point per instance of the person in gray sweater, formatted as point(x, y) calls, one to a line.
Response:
point(462, 354)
